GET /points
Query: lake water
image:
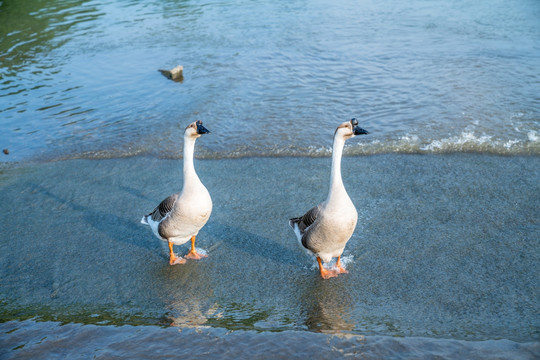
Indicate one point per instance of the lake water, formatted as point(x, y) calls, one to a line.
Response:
point(444, 261)
point(79, 78)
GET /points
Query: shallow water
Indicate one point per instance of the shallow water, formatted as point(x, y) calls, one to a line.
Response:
point(80, 79)
point(446, 247)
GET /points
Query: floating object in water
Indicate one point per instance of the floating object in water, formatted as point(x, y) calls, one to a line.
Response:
point(179, 217)
point(176, 74)
point(6, 151)
point(325, 229)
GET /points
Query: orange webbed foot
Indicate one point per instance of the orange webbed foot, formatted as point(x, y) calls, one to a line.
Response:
point(326, 273)
point(340, 269)
point(194, 255)
point(173, 259)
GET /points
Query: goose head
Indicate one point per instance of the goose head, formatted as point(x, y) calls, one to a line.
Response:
point(195, 130)
point(349, 129)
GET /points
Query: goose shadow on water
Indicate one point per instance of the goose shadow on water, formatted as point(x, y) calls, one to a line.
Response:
point(108, 223)
point(135, 192)
point(184, 294)
point(75, 253)
point(118, 228)
point(253, 244)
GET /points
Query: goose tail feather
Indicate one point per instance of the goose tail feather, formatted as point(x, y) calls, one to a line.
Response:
point(294, 221)
point(294, 224)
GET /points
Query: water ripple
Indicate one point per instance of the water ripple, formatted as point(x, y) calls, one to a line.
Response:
point(428, 71)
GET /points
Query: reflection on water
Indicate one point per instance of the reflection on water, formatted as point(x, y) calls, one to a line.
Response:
point(188, 295)
point(328, 306)
point(32, 29)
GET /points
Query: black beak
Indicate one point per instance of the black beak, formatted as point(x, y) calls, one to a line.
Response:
point(359, 131)
point(201, 129)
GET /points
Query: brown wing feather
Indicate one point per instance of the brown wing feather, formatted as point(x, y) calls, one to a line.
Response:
point(163, 208)
point(307, 219)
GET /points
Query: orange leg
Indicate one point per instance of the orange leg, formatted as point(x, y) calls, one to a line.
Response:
point(340, 268)
point(173, 258)
point(325, 273)
point(193, 254)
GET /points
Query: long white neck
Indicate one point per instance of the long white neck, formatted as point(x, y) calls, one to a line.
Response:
point(189, 169)
point(336, 183)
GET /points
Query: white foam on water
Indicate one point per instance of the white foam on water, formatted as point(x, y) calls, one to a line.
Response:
point(533, 136)
point(464, 141)
point(346, 260)
point(517, 141)
point(201, 251)
point(511, 143)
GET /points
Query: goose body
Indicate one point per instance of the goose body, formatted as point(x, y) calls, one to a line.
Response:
point(326, 228)
point(179, 217)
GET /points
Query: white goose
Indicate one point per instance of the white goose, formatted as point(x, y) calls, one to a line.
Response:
point(325, 229)
point(179, 217)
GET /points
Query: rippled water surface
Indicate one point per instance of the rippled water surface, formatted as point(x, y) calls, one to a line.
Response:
point(444, 261)
point(79, 78)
